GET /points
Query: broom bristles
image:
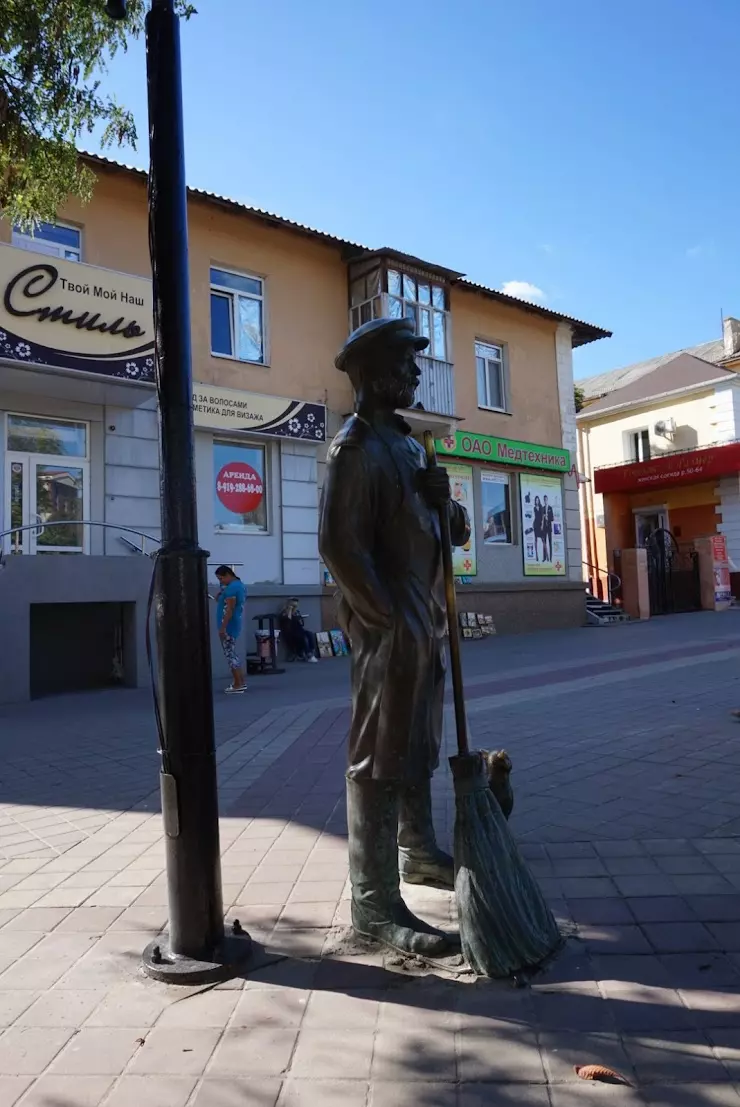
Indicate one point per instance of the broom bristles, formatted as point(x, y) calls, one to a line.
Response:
point(505, 923)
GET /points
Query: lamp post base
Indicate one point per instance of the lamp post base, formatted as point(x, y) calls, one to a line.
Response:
point(229, 958)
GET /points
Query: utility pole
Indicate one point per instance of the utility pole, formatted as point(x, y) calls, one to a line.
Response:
point(195, 948)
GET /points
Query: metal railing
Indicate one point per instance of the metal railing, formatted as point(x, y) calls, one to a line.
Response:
point(436, 391)
point(39, 528)
point(613, 582)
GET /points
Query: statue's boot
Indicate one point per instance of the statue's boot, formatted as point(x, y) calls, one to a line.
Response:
point(420, 860)
point(378, 912)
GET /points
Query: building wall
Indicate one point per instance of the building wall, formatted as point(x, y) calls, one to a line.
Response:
point(531, 368)
point(701, 419)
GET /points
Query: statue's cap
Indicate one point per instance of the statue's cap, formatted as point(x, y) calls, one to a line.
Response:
point(378, 332)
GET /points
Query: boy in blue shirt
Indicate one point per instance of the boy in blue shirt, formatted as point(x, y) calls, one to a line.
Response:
point(230, 610)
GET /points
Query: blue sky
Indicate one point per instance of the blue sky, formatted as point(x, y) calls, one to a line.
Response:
point(588, 149)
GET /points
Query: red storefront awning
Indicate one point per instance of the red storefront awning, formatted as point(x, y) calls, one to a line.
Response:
point(690, 467)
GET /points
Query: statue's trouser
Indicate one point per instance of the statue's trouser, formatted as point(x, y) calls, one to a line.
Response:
point(378, 911)
point(420, 860)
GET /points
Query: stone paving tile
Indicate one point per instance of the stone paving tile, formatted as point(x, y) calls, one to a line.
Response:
point(675, 1057)
point(661, 909)
point(151, 1091)
point(171, 1052)
point(60, 1007)
point(12, 1088)
point(262, 1051)
point(406, 1094)
point(693, 1095)
point(589, 1094)
point(27, 1051)
point(14, 1003)
point(82, 1091)
point(499, 1053)
point(237, 1092)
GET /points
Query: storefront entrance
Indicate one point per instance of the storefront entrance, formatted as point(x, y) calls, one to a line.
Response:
point(46, 482)
point(673, 575)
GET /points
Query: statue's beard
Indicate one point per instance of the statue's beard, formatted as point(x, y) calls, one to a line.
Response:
point(389, 390)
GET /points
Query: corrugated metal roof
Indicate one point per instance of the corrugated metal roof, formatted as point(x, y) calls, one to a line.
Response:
point(582, 332)
point(603, 383)
point(680, 373)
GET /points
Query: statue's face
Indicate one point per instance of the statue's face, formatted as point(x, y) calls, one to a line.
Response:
point(394, 376)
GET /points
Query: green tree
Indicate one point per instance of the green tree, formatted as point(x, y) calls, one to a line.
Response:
point(579, 397)
point(52, 53)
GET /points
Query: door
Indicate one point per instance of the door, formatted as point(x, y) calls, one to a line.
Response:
point(47, 490)
point(648, 522)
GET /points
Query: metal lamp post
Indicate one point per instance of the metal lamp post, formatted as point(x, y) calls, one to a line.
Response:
point(196, 948)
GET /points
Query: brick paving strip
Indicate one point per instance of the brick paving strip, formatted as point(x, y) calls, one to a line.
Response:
point(627, 780)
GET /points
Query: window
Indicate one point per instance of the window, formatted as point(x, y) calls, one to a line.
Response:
point(639, 445)
point(47, 474)
point(495, 507)
point(491, 373)
point(239, 488)
point(404, 296)
point(57, 239)
point(237, 316)
point(423, 303)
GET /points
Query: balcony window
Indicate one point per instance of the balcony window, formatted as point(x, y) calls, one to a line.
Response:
point(425, 304)
point(237, 316)
point(59, 240)
point(397, 295)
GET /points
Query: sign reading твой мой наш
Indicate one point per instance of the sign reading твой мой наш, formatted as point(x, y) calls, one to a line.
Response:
point(68, 315)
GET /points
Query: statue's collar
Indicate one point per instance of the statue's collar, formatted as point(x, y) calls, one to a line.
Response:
point(384, 420)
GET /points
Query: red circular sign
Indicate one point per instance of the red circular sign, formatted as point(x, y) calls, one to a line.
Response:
point(239, 488)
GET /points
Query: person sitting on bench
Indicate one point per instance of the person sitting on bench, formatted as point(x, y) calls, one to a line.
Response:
point(299, 642)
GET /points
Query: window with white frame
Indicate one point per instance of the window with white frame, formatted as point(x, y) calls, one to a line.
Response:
point(638, 445)
point(425, 304)
point(47, 492)
point(238, 316)
point(491, 374)
point(60, 240)
point(397, 295)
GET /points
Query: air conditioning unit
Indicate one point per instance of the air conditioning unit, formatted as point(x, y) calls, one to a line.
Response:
point(666, 428)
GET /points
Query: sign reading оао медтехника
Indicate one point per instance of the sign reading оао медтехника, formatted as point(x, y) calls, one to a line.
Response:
point(504, 451)
point(68, 315)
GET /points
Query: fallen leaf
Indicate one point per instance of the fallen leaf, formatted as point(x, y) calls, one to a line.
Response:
point(600, 1073)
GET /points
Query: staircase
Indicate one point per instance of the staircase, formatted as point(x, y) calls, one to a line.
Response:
point(599, 613)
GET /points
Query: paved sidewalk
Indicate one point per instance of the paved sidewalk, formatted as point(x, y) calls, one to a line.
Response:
point(627, 772)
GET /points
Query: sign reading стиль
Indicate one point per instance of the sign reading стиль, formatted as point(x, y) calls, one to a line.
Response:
point(504, 451)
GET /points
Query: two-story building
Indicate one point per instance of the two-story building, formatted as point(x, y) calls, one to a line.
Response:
point(659, 444)
point(271, 303)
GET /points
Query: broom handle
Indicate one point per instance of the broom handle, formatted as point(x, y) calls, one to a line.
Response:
point(458, 694)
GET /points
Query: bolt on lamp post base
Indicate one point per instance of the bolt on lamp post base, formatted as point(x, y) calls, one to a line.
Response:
point(228, 959)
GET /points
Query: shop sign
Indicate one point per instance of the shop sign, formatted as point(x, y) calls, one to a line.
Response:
point(239, 488)
point(543, 526)
point(686, 468)
point(504, 451)
point(461, 485)
point(228, 409)
point(72, 316)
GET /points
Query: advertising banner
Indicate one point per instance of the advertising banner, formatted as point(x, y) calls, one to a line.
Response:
point(722, 584)
point(543, 526)
point(229, 409)
point(461, 483)
point(72, 316)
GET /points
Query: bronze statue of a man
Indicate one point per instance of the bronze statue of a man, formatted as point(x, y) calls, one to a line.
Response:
point(379, 536)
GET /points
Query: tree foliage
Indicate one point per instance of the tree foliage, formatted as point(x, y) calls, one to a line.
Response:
point(52, 54)
point(579, 397)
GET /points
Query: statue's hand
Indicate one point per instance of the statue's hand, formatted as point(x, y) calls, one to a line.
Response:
point(434, 485)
